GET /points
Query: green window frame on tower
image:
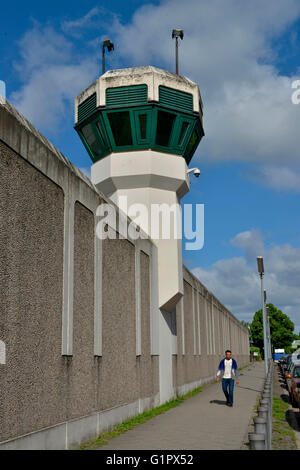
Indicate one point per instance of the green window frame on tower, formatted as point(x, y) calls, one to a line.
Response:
point(183, 131)
point(140, 137)
point(143, 125)
point(120, 128)
point(177, 140)
point(165, 123)
point(97, 131)
point(194, 140)
point(108, 117)
point(140, 126)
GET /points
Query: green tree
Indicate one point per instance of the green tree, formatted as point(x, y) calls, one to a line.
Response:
point(281, 327)
point(245, 323)
point(256, 349)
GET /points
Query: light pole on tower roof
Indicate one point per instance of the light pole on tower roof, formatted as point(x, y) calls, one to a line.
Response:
point(177, 33)
point(107, 44)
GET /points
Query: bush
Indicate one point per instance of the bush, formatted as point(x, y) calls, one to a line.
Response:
point(256, 349)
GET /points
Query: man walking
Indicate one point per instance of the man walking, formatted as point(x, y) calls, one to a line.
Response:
point(228, 372)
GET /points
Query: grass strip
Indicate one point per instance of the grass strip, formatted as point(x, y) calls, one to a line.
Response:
point(131, 423)
point(283, 435)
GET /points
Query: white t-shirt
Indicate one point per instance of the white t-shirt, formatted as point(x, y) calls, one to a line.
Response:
point(228, 367)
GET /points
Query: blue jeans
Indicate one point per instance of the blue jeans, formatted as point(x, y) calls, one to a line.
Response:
point(227, 386)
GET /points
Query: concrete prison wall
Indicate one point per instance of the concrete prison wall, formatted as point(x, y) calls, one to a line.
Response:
point(78, 316)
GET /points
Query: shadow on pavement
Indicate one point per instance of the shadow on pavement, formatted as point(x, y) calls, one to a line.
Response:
point(218, 402)
point(248, 388)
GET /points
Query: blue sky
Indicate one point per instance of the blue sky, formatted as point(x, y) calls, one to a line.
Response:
point(245, 56)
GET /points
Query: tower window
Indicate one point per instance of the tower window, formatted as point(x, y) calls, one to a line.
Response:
point(193, 142)
point(121, 128)
point(165, 122)
point(88, 134)
point(143, 125)
point(184, 128)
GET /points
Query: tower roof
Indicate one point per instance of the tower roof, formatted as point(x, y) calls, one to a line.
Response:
point(151, 76)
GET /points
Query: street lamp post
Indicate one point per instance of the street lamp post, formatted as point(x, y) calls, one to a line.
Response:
point(269, 333)
point(250, 344)
point(260, 266)
point(268, 325)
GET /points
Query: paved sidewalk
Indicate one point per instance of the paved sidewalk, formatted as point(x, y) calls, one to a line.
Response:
point(202, 422)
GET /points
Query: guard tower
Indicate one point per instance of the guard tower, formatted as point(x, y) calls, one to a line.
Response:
point(141, 127)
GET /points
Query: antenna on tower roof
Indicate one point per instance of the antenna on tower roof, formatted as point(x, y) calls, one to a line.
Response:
point(177, 33)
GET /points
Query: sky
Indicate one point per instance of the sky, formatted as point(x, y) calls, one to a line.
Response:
point(245, 58)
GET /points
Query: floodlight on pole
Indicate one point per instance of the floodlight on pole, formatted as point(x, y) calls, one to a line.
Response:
point(261, 271)
point(260, 265)
point(177, 33)
point(107, 44)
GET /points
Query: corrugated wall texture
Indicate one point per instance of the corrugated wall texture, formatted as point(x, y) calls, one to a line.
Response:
point(205, 329)
point(119, 384)
point(147, 365)
point(33, 382)
point(82, 370)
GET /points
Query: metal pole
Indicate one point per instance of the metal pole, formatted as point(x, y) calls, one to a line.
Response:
point(268, 329)
point(176, 47)
point(269, 338)
point(103, 59)
point(264, 324)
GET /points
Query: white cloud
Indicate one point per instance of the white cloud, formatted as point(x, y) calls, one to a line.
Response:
point(42, 46)
point(236, 282)
point(50, 90)
point(54, 74)
point(75, 27)
point(280, 178)
point(251, 242)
